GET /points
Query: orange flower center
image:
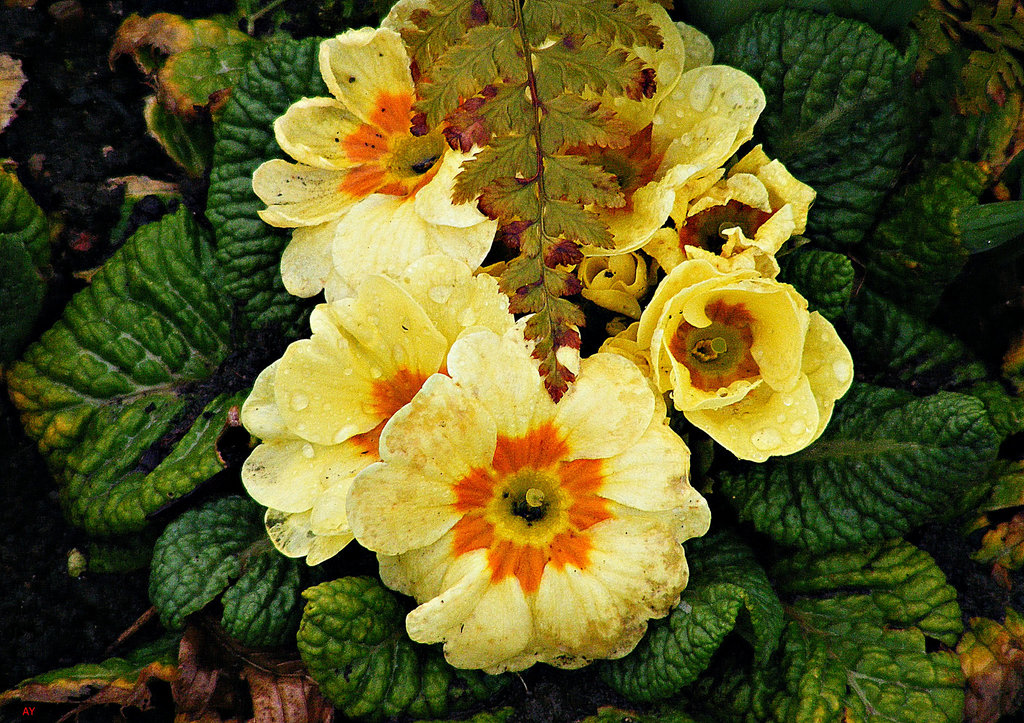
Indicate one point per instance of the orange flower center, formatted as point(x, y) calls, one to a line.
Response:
point(385, 156)
point(704, 229)
point(718, 354)
point(530, 508)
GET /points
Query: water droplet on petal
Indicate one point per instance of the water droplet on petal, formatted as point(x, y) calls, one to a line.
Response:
point(467, 317)
point(440, 294)
point(348, 371)
point(299, 402)
point(798, 427)
point(400, 355)
point(766, 438)
point(780, 418)
point(307, 450)
point(376, 372)
point(787, 401)
point(842, 370)
point(701, 93)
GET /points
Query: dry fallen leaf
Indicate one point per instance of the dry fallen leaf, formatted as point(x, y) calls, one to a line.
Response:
point(11, 80)
point(992, 658)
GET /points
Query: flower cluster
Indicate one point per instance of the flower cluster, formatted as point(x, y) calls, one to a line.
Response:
point(414, 420)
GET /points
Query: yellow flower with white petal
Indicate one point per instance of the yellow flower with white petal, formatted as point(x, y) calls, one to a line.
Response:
point(365, 195)
point(528, 530)
point(750, 213)
point(615, 282)
point(320, 409)
point(743, 358)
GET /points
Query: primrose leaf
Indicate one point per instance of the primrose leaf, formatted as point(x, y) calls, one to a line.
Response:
point(859, 656)
point(24, 251)
point(836, 113)
point(886, 462)
point(892, 346)
point(1005, 411)
point(353, 641)
point(916, 250)
point(103, 392)
point(222, 547)
point(189, 144)
point(726, 584)
point(122, 681)
point(248, 249)
point(824, 278)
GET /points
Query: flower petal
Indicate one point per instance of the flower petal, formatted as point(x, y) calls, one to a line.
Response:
point(765, 423)
point(442, 431)
point(384, 235)
point(434, 200)
point(639, 560)
point(478, 643)
point(366, 357)
point(607, 409)
point(290, 533)
point(651, 474)
point(260, 415)
point(383, 493)
point(306, 262)
point(432, 621)
point(324, 547)
point(828, 366)
point(455, 299)
point(708, 116)
point(298, 195)
point(501, 374)
point(290, 475)
point(314, 130)
point(576, 614)
point(361, 66)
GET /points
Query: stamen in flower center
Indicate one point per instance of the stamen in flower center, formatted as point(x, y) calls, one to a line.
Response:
point(709, 349)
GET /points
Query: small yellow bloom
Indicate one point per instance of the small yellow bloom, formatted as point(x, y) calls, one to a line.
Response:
point(746, 217)
point(680, 140)
point(365, 196)
point(529, 531)
point(625, 344)
point(320, 409)
point(744, 359)
point(615, 282)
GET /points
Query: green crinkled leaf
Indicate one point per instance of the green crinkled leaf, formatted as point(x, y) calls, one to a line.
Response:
point(122, 554)
point(501, 715)
point(353, 641)
point(24, 251)
point(887, 462)
point(222, 547)
point(248, 249)
point(662, 715)
point(727, 590)
point(824, 278)
point(103, 392)
point(915, 251)
point(862, 656)
point(855, 646)
point(892, 346)
point(1005, 411)
point(717, 16)
point(836, 113)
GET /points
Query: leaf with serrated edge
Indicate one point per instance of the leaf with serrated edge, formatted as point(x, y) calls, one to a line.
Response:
point(222, 548)
point(248, 250)
point(725, 583)
point(575, 68)
point(104, 384)
point(24, 250)
point(837, 115)
point(509, 157)
point(887, 462)
point(355, 625)
point(606, 19)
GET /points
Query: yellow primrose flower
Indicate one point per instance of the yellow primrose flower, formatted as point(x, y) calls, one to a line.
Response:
point(678, 144)
point(744, 359)
point(755, 209)
point(615, 282)
point(624, 344)
point(320, 409)
point(529, 531)
point(366, 196)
